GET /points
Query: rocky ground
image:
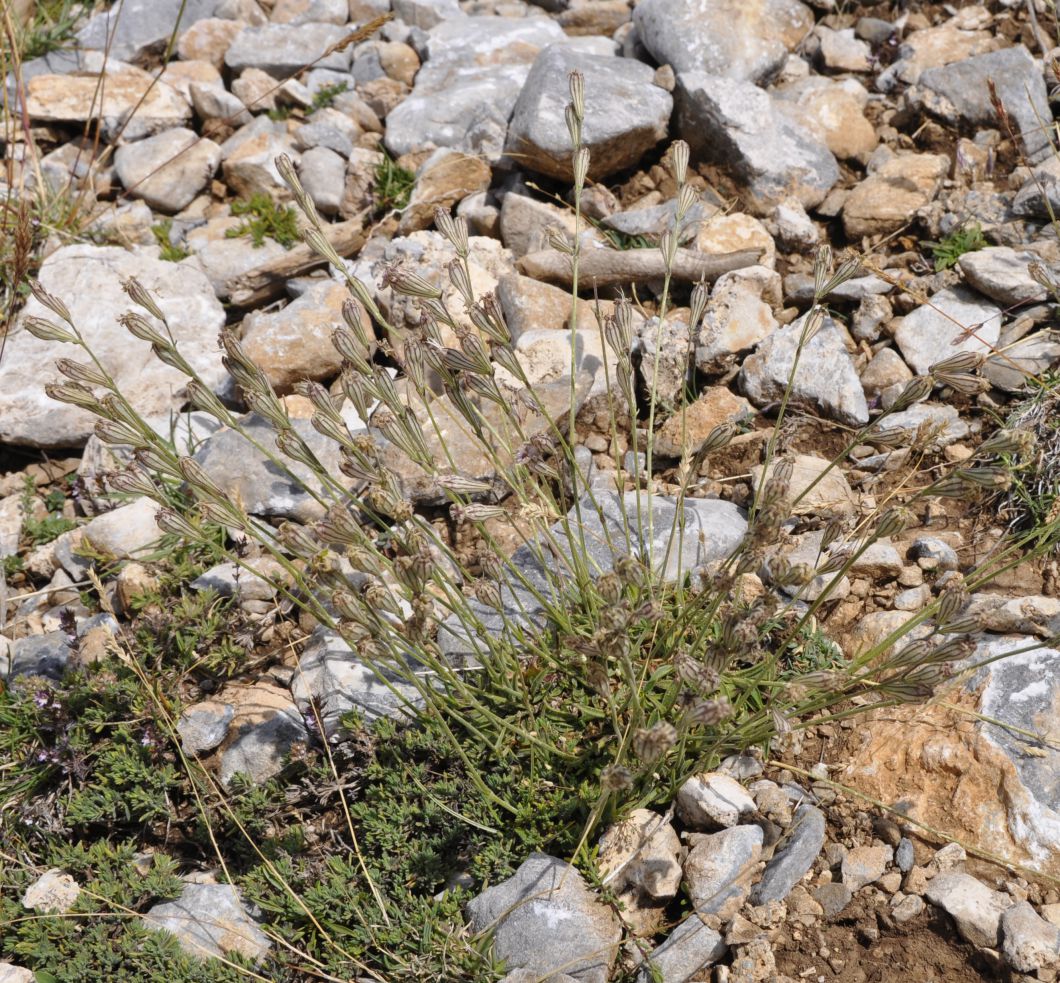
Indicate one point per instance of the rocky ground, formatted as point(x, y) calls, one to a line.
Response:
point(916, 137)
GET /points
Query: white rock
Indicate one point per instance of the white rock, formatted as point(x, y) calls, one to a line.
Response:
point(974, 907)
point(88, 279)
point(712, 799)
point(168, 170)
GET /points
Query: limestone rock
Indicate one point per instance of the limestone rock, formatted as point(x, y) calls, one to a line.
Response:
point(713, 800)
point(794, 855)
point(824, 379)
point(284, 49)
point(1000, 273)
point(685, 431)
point(887, 198)
point(88, 279)
point(140, 27)
point(265, 726)
point(625, 114)
point(1029, 942)
point(210, 920)
point(719, 869)
point(723, 37)
point(975, 908)
point(52, 892)
point(445, 179)
point(168, 170)
point(736, 124)
point(738, 316)
point(931, 332)
point(544, 918)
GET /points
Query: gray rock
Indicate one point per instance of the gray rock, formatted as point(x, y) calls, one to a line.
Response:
point(974, 907)
point(232, 580)
point(793, 856)
point(216, 102)
point(425, 14)
point(140, 27)
point(544, 918)
point(936, 551)
point(323, 175)
point(719, 869)
point(249, 160)
point(908, 908)
point(944, 421)
point(656, 219)
point(210, 920)
point(799, 288)
point(473, 71)
point(1000, 273)
point(1028, 941)
point(824, 380)
point(625, 114)
point(1040, 192)
point(610, 529)
point(739, 315)
point(88, 279)
point(721, 37)
point(204, 726)
point(168, 170)
point(903, 856)
point(333, 677)
point(10, 973)
point(1012, 368)
point(313, 11)
point(865, 864)
point(47, 655)
point(833, 898)
point(54, 891)
point(267, 487)
point(265, 727)
point(959, 93)
point(1029, 614)
point(734, 123)
point(712, 800)
point(929, 333)
point(126, 531)
point(688, 949)
point(284, 49)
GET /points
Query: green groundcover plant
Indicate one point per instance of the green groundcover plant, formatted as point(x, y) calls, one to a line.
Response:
point(606, 696)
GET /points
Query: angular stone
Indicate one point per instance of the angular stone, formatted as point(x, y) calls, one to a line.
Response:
point(88, 279)
point(77, 99)
point(210, 920)
point(833, 112)
point(125, 531)
point(544, 918)
point(263, 486)
point(833, 898)
point(265, 726)
point(445, 179)
point(824, 378)
point(1000, 273)
point(719, 869)
point(713, 800)
point(323, 175)
point(203, 726)
point(723, 37)
point(283, 49)
point(214, 102)
point(625, 114)
point(865, 864)
point(816, 487)
point(685, 431)
point(736, 124)
point(793, 857)
point(208, 40)
point(975, 908)
point(52, 892)
point(889, 196)
point(169, 170)
point(249, 166)
point(739, 315)
point(687, 951)
point(934, 331)
point(1029, 942)
point(962, 94)
point(331, 677)
point(944, 422)
point(141, 27)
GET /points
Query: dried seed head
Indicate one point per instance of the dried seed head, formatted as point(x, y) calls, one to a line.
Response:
point(139, 327)
point(53, 303)
point(952, 485)
point(489, 594)
point(140, 296)
point(73, 393)
point(340, 528)
point(679, 157)
point(990, 478)
point(698, 305)
point(915, 391)
point(708, 713)
point(581, 166)
point(616, 778)
point(576, 84)
point(299, 540)
point(113, 432)
point(822, 265)
point(950, 603)
point(694, 674)
point(961, 362)
point(597, 679)
point(811, 325)
point(652, 743)
point(609, 586)
point(404, 281)
point(172, 522)
point(894, 521)
point(1008, 442)
point(686, 199)
point(476, 512)
point(632, 570)
point(454, 229)
point(459, 278)
point(135, 481)
point(962, 382)
point(48, 331)
point(883, 436)
point(962, 626)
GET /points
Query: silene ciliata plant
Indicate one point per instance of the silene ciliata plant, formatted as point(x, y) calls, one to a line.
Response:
point(611, 653)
